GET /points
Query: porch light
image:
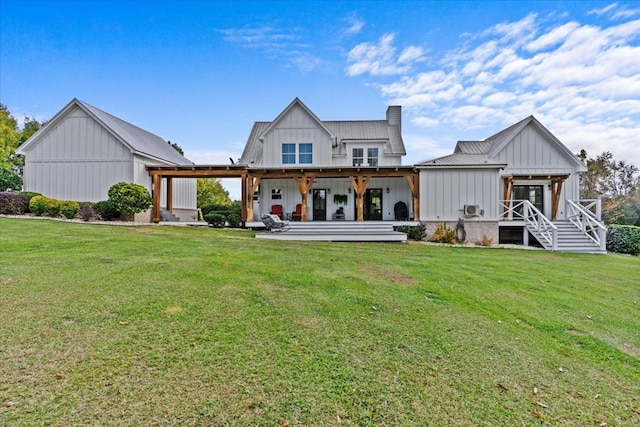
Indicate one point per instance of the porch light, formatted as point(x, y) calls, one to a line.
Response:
point(387, 190)
point(328, 191)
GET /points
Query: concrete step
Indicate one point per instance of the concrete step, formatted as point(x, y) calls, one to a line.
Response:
point(336, 231)
point(168, 216)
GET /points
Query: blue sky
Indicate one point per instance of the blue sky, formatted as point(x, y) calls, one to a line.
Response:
point(199, 73)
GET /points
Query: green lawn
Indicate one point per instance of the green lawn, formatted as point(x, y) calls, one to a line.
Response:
point(153, 325)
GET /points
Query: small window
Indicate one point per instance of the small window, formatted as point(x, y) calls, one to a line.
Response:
point(288, 154)
point(357, 155)
point(372, 156)
point(306, 153)
point(276, 194)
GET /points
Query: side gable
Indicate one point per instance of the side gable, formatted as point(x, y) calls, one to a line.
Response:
point(529, 148)
point(297, 116)
point(133, 139)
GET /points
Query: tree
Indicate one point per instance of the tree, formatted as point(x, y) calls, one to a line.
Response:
point(211, 192)
point(9, 136)
point(617, 183)
point(176, 147)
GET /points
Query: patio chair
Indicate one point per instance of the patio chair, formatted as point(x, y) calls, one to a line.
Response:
point(277, 210)
point(274, 223)
point(297, 214)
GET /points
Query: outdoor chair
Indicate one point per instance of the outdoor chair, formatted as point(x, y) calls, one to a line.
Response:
point(277, 210)
point(297, 214)
point(274, 223)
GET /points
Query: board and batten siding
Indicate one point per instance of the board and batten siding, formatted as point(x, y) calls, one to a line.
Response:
point(444, 192)
point(77, 160)
point(296, 127)
point(530, 153)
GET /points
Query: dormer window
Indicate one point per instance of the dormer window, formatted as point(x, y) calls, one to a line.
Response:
point(358, 156)
point(372, 156)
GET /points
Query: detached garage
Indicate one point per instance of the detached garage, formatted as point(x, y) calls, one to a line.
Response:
point(82, 151)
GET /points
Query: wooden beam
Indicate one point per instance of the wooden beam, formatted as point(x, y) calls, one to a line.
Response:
point(243, 198)
point(169, 194)
point(304, 184)
point(359, 184)
point(252, 185)
point(157, 188)
point(556, 189)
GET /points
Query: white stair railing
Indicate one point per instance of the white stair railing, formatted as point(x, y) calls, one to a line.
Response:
point(587, 220)
point(535, 221)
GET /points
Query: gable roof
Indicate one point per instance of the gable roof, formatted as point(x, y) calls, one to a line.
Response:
point(465, 151)
point(340, 132)
point(137, 140)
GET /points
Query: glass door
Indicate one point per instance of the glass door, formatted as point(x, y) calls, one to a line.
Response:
point(320, 205)
point(372, 203)
point(532, 193)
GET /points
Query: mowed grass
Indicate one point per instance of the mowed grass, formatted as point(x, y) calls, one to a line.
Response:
point(156, 325)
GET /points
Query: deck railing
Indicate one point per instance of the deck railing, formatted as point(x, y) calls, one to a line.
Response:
point(524, 210)
point(586, 218)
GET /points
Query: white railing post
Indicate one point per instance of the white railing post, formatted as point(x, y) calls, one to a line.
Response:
point(554, 239)
point(599, 209)
point(603, 238)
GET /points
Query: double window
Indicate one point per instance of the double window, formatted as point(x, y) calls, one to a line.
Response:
point(358, 159)
point(305, 153)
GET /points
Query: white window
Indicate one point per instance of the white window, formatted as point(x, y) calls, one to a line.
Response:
point(276, 194)
point(357, 155)
point(372, 156)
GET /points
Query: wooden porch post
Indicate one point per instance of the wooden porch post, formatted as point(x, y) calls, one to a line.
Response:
point(556, 189)
point(243, 198)
point(413, 181)
point(170, 194)
point(251, 186)
point(508, 189)
point(304, 184)
point(360, 184)
point(155, 212)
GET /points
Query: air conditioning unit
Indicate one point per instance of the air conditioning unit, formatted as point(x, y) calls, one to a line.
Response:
point(471, 210)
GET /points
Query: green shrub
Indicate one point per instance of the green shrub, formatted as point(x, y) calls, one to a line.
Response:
point(127, 198)
point(417, 232)
point(106, 211)
point(9, 180)
point(624, 239)
point(12, 203)
point(444, 234)
point(69, 209)
point(45, 206)
point(215, 219)
point(234, 220)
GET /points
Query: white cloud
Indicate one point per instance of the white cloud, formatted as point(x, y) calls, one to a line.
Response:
point(354, 24)
point(572, 75)
point(380, 59)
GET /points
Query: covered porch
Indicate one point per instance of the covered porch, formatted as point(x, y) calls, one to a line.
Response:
point(359, 180)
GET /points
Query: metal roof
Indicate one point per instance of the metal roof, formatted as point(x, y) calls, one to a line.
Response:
point(343, 131)
point(472, 147)
point(462, 159)
point(140, 140)
point(137, 140)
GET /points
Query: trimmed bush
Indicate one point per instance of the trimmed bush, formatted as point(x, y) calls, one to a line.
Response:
point(9, 180)
point(234, 220)
point(69, 209)
point(623, 239)
point(45, 206)
point(86, 212)
point(13, 203)
point(106, 211)
point(127, 198)
point(417, 232)
point(215, 219)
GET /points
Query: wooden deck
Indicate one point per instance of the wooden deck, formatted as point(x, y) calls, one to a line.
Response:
point(338, 231)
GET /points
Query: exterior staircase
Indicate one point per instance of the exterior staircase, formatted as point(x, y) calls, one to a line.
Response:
point(569, 238)
point(168, 216)
point(337, 231)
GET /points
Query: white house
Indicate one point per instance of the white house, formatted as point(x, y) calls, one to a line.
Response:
point(82, 151)
point(520, 183)
point(352, 170)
